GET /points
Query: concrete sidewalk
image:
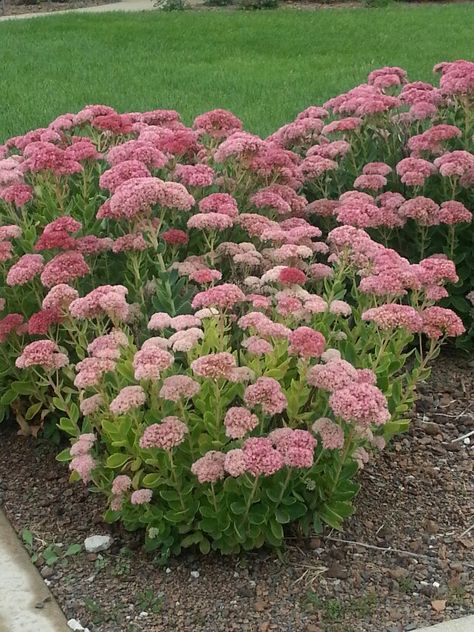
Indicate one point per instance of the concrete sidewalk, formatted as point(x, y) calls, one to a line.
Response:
point(466, 624)
point(125, 6)
point(26, 605)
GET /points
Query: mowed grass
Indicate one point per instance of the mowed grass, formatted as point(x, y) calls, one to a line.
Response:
point(264, 66)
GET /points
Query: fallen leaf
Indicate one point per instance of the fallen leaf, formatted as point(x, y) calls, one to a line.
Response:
point(438, 605)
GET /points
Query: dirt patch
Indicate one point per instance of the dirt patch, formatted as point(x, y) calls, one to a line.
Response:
point(13, 8)
point(413, 563)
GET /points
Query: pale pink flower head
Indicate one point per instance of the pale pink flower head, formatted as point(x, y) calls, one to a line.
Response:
point(17, 194)
point(160, 320)
point(348, 124)
point(257, 346)
point(210, 221)
point(185, 321)
point(108, 345)
point(83, 445)
point(320, 271)
point(217, 124)
point(332, 376)
point(376, 168)
point(261, 457)
point(138, 150)
point(25, 270)
point(239, 145)
point(219, 203)
point(393, 315)
point(223, 297)
point(454, 212)
point(186, 339)
point(178, 387)
point(366, 376)
point(205, 276)
point(121, 484)
point(323, 208)
point(422, 209)
point(296, 446)
point(90, 405)
point(455, 164)
point(210, 467)
point(239, 421)
point(141, 497)
point(313, 167)
point(131, 242)
point(43, 353)
point(11, 231)
point(215, 366)
point(109, 300)
point(340, 308)
point(330, 354)
point(129, 398)
point(370, 182)
point(83, 465)
point(414, 171)
point(439, 322)
point(235, 462)
point(361, 403)
point(437, 269)
point(331, 435)
point(166, 435)
point(388, 71)
point(91, 370)
point(266, 393)
point(306, 342)
point(150, 362)
point(194, 175)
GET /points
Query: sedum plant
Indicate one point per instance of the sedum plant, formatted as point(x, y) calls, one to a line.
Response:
point(226, 327)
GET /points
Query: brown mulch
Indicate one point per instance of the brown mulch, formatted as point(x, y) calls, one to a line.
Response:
point(17, 8)
point(415, 509)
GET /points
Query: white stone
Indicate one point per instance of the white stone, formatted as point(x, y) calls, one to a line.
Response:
point(97, 543)
point(195, 574)
point(75, 625)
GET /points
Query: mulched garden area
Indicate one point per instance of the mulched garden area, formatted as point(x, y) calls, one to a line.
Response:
point(17, 8)
point(413, 563)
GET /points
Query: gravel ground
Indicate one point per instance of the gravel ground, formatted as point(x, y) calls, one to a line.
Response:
point(413, 563)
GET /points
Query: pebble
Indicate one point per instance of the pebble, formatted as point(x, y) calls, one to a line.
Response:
point(194, 574)
point(76, 626)
point(97, 543)
point(337, 571)
point(46, 572)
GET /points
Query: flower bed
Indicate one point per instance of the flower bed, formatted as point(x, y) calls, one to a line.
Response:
point(183, 304)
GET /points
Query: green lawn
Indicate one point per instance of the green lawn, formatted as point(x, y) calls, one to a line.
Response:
point(265, 66)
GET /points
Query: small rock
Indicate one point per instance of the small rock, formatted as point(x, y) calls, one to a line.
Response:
point(97, 543)
point(260, 605)
point(431, 428)
point(195, 574)
point(432, 527)
point(311, 627)
point(75, 625)
point(46, 572)
point(337, 571)
point(438, 605)
point(398, 572)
